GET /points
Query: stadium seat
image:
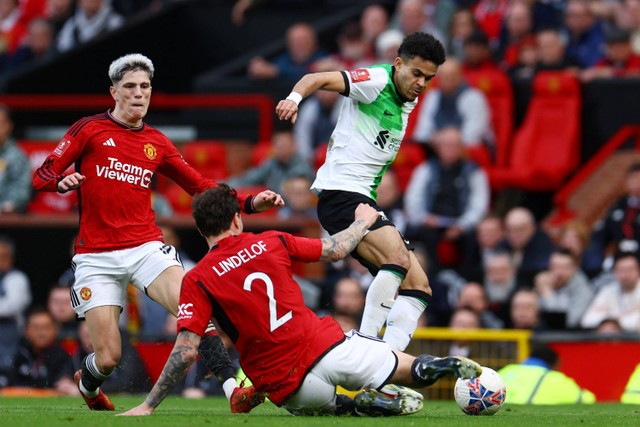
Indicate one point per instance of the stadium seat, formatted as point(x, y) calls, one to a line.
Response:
point(496, 86)
point(320, 154)
point(410, 155)
point(179, 199)
point(545, 148)
point(208, 157)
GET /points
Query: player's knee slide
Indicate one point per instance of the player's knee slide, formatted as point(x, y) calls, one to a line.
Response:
point(398, 270)
point(418, 371)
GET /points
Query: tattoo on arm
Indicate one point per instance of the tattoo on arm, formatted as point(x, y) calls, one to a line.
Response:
point(184, 353)
point(343, 243)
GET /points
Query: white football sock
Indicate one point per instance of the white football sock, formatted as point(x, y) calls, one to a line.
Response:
point(380, 299)
point(228, 387)
point(402, 321)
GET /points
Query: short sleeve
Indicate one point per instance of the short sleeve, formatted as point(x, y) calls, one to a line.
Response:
point(365, 84)
point(194, 310)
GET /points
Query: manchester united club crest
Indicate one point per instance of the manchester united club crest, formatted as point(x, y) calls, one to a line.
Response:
point(85, 294)
point(150, 151)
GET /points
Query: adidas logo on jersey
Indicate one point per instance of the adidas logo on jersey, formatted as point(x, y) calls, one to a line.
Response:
point(109, 143)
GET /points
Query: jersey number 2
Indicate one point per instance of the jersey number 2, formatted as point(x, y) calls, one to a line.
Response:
point(273, 314)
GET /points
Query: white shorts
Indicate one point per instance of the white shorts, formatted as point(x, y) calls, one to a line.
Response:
point(361, 361)
point(102, 278)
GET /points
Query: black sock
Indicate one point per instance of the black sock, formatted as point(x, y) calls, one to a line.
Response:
point(216, 358)
point(90, 379)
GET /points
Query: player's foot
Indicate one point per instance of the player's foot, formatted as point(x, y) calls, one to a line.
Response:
point(376, 404)
point(244, 399)
point(452, 366)
point(393, 390)
point(99, 403)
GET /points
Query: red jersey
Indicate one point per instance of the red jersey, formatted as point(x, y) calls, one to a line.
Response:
point(118, 163)
point(245, 282)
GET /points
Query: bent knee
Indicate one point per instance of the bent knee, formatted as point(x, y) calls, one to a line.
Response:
point(400, 258)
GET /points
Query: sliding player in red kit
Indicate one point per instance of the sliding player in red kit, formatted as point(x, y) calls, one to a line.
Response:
point(116, 156)
point(287, 351)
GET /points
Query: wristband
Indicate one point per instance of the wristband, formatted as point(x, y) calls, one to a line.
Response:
point(295, 97)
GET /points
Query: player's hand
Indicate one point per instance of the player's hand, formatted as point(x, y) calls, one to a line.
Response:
point(367, 214)
point(141, 409)
point(70, 182)
point(266, 200)
point(287, 110)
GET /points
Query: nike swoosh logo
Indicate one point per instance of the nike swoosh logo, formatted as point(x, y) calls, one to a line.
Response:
point(384, 306)
point(388, 113)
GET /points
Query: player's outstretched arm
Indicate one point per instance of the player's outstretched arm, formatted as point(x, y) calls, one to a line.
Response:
point(287, 109)
point(266, 200)
point(343, 243)
point(70, 182)
point(184, 353)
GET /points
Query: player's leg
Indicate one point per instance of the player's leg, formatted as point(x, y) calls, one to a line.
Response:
point(160, 275)
point(424, 370)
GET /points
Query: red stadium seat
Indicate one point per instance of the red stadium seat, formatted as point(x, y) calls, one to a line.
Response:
point(320, 155)
point(545, 148)
point(179, 199)
point(409, 156)
point(208, 157)
point(496, 86)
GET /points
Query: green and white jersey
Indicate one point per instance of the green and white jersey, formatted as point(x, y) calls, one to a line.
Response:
point(368, 134)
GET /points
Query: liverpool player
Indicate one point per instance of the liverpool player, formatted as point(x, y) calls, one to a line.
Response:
point(116, 155)
point(288, 352)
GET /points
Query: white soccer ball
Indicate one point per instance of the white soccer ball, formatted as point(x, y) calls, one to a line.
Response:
point(484, 395)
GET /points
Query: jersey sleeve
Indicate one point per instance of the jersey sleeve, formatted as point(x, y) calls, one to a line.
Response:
point(68, 150)
point(365, 84)
point(177, 168)
point(302, 248)
point(194, 310)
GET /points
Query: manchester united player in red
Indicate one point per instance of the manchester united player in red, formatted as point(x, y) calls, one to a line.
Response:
point(288, 352)
point(116, 155)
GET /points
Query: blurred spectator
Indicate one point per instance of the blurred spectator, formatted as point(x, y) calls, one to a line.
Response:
point(620, 227)
point(619, 59)
point(477, 53)
point(564, 289)
point(130, 376)
point(575, 236)
point(353, 51)
point(15, 297)
point(585, 33)
point(529, 245)
point(317, 117)
point(302, 52)
point(40, 362)
point(527, 59)
point(619, 300)
point(518, 28)
point(37, 47)
point(537, 381)
point(348, 303)
point(417, 15)
point(463, 318)
point(490, 15)
point(480, 245)
point(13, 27)
point(453, 103)
point(59, 305)
point(499, 283)
point(473, 296)
point(551, 49)
point(373, 21)
point(300, 202)
point(609, 327)
point(446, 196)
point(525, 311)
point(632, 14)
point(58, 12)
point(241, 7)
point(15, 169)
point(284, 162)
point(91, 19)
point(463, 25)
point(390, 200)
point(387, 46)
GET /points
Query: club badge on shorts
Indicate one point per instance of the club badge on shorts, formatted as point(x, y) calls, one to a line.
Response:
point(85, 294)
point(150, 151)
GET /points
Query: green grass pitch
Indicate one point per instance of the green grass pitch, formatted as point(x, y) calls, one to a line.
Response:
point(178, 412)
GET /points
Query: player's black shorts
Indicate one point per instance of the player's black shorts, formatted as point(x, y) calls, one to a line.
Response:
point(336, 212)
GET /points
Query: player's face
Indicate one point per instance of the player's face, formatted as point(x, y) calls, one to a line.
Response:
point(132, 95)
point(412, 77)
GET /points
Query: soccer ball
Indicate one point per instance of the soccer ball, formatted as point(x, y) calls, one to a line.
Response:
point(481, 396)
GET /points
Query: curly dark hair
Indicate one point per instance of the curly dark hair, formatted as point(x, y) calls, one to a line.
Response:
point(214, 209)
point(423, 45)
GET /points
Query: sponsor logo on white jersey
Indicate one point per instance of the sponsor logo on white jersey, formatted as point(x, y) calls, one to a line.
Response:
point(109, 143)
point(125, 172)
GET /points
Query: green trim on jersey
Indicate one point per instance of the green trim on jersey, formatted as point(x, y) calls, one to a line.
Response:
point(387, 108)
point(376, 182)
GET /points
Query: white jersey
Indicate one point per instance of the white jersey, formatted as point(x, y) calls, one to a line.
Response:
point(368, 134)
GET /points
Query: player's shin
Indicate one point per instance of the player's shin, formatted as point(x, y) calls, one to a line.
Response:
point(216, 359)
point(403, 317)
point(380, 298)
